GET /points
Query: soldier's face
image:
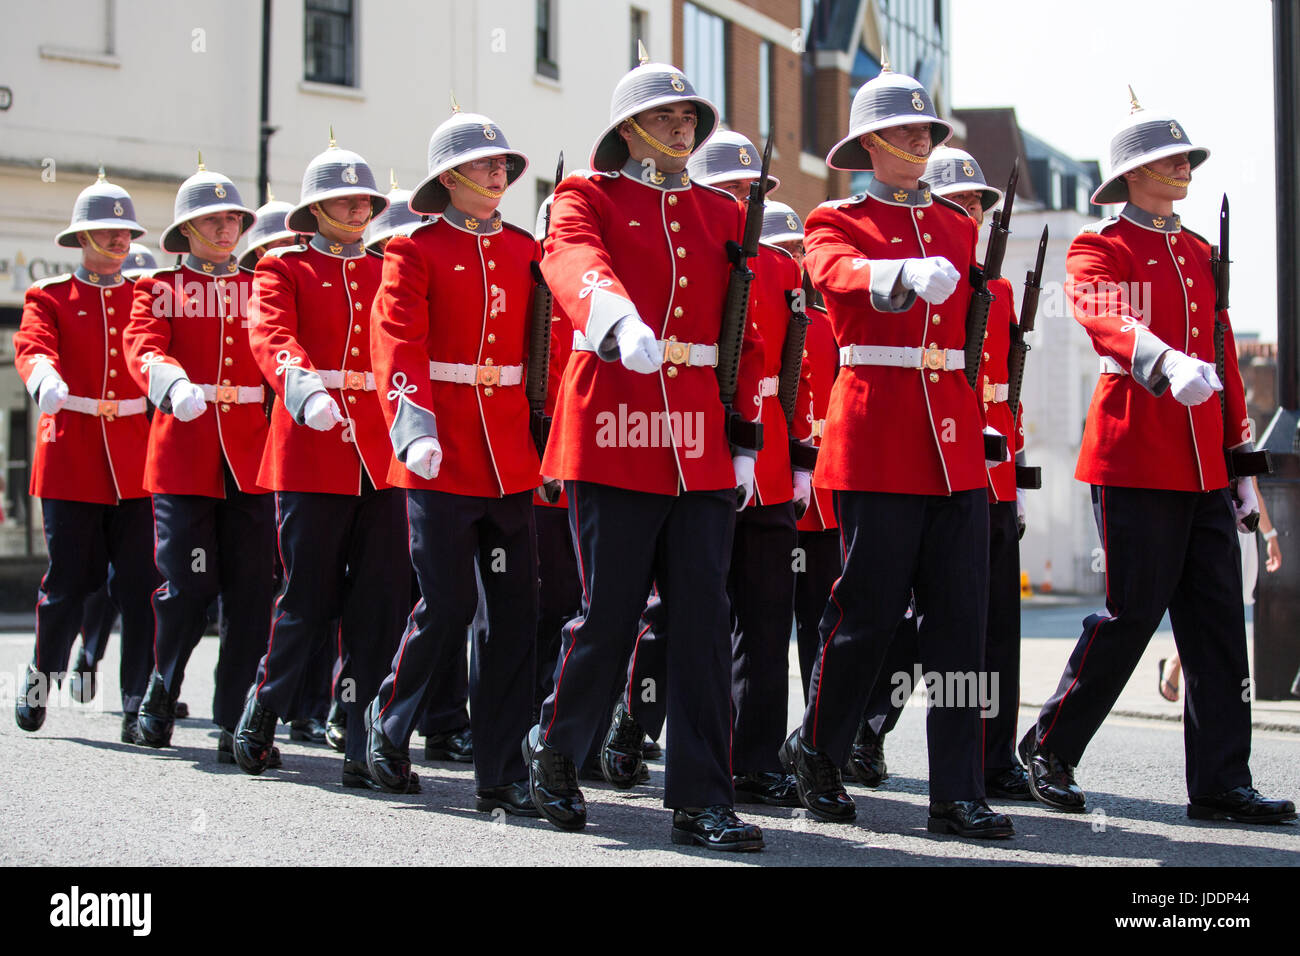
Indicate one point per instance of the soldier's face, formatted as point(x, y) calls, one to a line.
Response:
point(115, 242)
point(220, 229)
point(970, 200)
point(913, 138)
point(491, 173)
point(274, 244)
point(737, 187)
point(795, 248)
point(1149, 193)
point(352, 211)
point(672, 124)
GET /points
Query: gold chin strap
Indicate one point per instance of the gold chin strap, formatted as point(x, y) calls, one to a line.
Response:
point(193, 233)
point(1166, 180)
point(655, 144)
point(104, 252)
point(894, 151)
point(343, 226)
point(475, 187)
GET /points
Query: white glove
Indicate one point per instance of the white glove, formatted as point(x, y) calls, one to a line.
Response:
point(637, 346)
point(933, 279)
point(1244, 503)
point(744, 467)
point(187, 401)
point(321, 412)
point(424, 457)
point(51, 395)
point(802, 493)
point(1191, 380)
point(990, 430)
point(1020, 511)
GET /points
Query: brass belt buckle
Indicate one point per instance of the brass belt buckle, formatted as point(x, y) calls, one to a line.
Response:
point(107, 410)
point(489, 375)
point(990, 392)
point(935, 359)
point(228, 394)
point(819, 428)
point(679, 353)
point(356, 381)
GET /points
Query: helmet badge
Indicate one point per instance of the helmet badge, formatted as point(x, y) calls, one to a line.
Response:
point(117, 209)
point(967, 168)
point(677, 84)
point(220, 191)
point(489, 132)
point(350, 175)
point(1174, 131)
point(791, 223)
point(745, 158)
point(918, 104)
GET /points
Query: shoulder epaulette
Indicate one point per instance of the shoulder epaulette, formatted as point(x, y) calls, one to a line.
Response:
point(714, 189)
point(846, 201)
point(949, 203)
point(51, 280)
point(775, 248)
point(1193, 232)
point(279, 251)
point(1100, 225)
point(519, 229)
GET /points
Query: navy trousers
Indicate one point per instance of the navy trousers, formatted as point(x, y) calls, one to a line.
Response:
point(446, 701)
point(812, 589)
point(895, 545)
point(1174, 550)
point(87, 545)
point(626, 540)
point(560, 597)
point(449, 534)
point(345, 561)
point(210, 548)
point(97, 619)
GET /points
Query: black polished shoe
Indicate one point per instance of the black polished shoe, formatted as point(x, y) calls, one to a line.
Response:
point(129, 721)
point(620, 753)
point(308, 729)
point(818, 781)
point(1051, 779)
point(867, 758)
point(553, 783)
point(389, 764)
point(1241, 805)
point(715, 828)
point(154, 728)
point(254, 735)
point(773, 789)
point(83, 682)
point(458, 745)
point(590, 772)
point(336, 727)
point(29, 706)
point(1009, 784)
point(356, 775)
point(651, 750)
point(513, 798)
point(969, 818)
point(226, 751)
point(181, 711)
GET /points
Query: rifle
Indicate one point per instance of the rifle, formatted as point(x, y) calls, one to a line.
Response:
point(1241, 464)
point(977, 315)
point(796, 336)
point(740, 432)
point(1026, 476)
point(539, 349)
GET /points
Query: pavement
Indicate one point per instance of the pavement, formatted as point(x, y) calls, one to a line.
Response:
point(77, 796)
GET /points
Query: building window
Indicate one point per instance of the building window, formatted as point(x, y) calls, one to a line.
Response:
point(547, 55)
point(764, 89)
point(808, 13)
point(705, 59)
point(329, 47)
point(637, 31)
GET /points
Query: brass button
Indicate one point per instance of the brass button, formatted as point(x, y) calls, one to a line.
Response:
point(681, 253)
point(1173, 240)
point(1195, 332)
point(222, 283)
point(230, 340)
point(920, 214)
point(1193, 306)
point(230, 320)
point(986, 356)
point(492, 314)
point(227, 300)
point(934, 376)
point(487, 361)
point(112, 373)
point(491, 264)
point(352, 285)
point(925, 236)
point(494, 288)
point(675, 226)
point(225, 408)
point(229, 360)
point(488, 391)
point(672, 371)
point(355, 351)
point(678, 312)
point(112, 394)
point(986, 333)
point(486, 243)
point(357, 306)
point(1182, 261)
point(352, 265)
point(1189, 283)
point(986, 406)
point(352, 399)
point(682, 282)
point(225, 381)
point(1193, 355)
point(112, 330)
point(110, 310)
point(492, 337)
point(356, 328)
point(805, 355)
point(112, 351)
point(672, 200)
point(934, 319)
point(108, 293)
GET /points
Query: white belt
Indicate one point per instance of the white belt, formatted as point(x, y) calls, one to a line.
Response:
point(104, 408)
point(996, 393)
point(234, 394)
point(461, 374)
point(1110, 367)
point(347, 379)
point(767, 387)
point(935, 359)
point(671, 351)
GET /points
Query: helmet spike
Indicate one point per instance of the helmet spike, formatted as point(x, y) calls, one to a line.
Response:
point(103, 176)
point(392, 178)
point(1133, 99)
point(884, 60)
point(333, 144)
point(642, 55)
point(270, 196)
point(201, 168)
point(455, 106)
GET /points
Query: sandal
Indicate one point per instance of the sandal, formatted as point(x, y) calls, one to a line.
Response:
point(1167, 689)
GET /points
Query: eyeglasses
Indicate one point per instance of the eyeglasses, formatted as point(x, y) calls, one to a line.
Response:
point(492, 162)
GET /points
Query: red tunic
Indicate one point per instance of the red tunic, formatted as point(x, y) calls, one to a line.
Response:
point(75, 328)
point(451, 295)
point(821, 366)
point(1138, 290)
point(888, 429)
point(197, 322)
point(311, 313)
point(561, 349)
point(619, 246)
point(993, 373)
point(776, 274)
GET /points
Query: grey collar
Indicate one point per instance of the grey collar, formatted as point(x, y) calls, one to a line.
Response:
point(1140, 217)
point(101, 279)
point(195, 264)
point(339, 250)
point(897, 195)
point(479, 227)
point(649, 176)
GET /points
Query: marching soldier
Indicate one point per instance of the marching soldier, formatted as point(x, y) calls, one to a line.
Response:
point(636, 259)
point(396, 220)
point(903, 453)
point(90, 450)
point(187, 347)
point(341, 528)
point(1167, 505)
point(449, 339)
